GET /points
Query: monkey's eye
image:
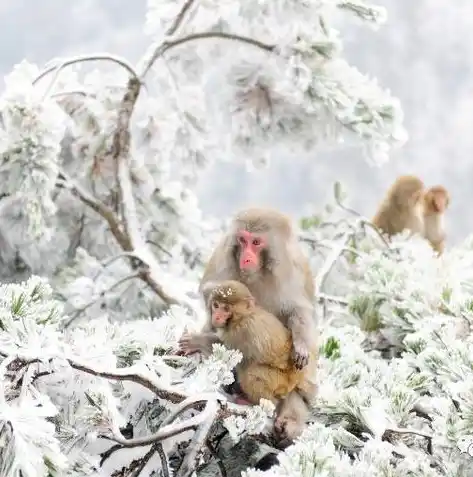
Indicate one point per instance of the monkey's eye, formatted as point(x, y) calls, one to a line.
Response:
point(215, 305)
point(226, 308)
point(242, 240)
point(256, 242)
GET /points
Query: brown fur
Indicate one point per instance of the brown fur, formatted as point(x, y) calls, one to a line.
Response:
point(401, 208)
point(284, 287)
point(267, 370)
point(436, 202)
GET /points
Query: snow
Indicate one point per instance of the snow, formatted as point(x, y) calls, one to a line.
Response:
point(104, 243)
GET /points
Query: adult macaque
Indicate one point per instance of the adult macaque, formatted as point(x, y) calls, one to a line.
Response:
point(402, 208)
point(261, 250)
point(436, 202)
point(267, 370)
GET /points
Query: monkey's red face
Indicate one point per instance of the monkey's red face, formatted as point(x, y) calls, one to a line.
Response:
point(221, 313)
point(251, 245)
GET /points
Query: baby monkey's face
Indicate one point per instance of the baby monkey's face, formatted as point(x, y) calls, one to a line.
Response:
point(221, 313)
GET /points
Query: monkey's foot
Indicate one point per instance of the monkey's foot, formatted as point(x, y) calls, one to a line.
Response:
point(300, 355)
point(241, 400)
point(286, 429)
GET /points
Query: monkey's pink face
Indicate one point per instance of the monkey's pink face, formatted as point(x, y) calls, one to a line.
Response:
point(439, 201)
point(221, 313)
point(251, 246)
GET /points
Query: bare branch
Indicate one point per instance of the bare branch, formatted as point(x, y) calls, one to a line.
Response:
point(164, 459)
point(334, 299)
point(144, 460)
point(169, 44)
point(61, 94)
point(98, 207)
point(81, 310)
point(108, 262)
point(321, 243)
point(189, 403)
point(199, 439)
point(121, 149)
point(330, 261)
point(180, 17)
point(83, 58)
point(130, 374)
point(376, 230)
point(165, 432)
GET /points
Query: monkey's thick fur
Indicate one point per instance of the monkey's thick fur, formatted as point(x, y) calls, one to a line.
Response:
point(267, 370)
point(436, 202)
point(282, 284)
point(402, 207)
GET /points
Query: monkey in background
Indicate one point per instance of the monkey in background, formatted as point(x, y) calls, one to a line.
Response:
point(402, 207)
point(267, 370)
point(436, 202)
point(262, 251)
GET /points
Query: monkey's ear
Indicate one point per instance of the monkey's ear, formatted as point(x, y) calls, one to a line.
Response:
point(250, 303)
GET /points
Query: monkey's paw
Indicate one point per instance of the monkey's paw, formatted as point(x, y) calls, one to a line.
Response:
point(300, 355)
point(188, 344)
point(286, 429)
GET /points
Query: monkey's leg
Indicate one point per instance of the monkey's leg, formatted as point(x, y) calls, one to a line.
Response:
point(259, 381)
point(291, 419)
point(295, 409)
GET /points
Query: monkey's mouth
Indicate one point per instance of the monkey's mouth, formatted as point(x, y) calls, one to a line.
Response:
point(250, 274)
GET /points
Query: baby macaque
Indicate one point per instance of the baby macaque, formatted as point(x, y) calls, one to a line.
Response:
point(267, 370)
point(402, 208)
point(436, 202)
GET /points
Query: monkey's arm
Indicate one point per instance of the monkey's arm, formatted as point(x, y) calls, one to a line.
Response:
point(300, 321)
point(191, 343)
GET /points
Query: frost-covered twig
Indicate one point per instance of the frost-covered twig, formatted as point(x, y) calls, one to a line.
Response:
point(130, 374)
point(401, 430)
point(330, 298)
point(83, 58)
point(99, 207)
point(180, 17)
point(208, 415)
point(113, 259)
point(169, 44)
point(375, 229)
point(123, 239)
point(121, 151)
point(165, 432)
point(118, 374)
point(81, 310)
point(330, 261)
point(320, 243)
point(190, 402)
point(76, 92)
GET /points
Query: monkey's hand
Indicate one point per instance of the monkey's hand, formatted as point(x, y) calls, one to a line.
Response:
point(189, 343)
point(300, 354)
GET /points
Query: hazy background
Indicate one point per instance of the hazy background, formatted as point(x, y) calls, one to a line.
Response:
point(423, 54)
